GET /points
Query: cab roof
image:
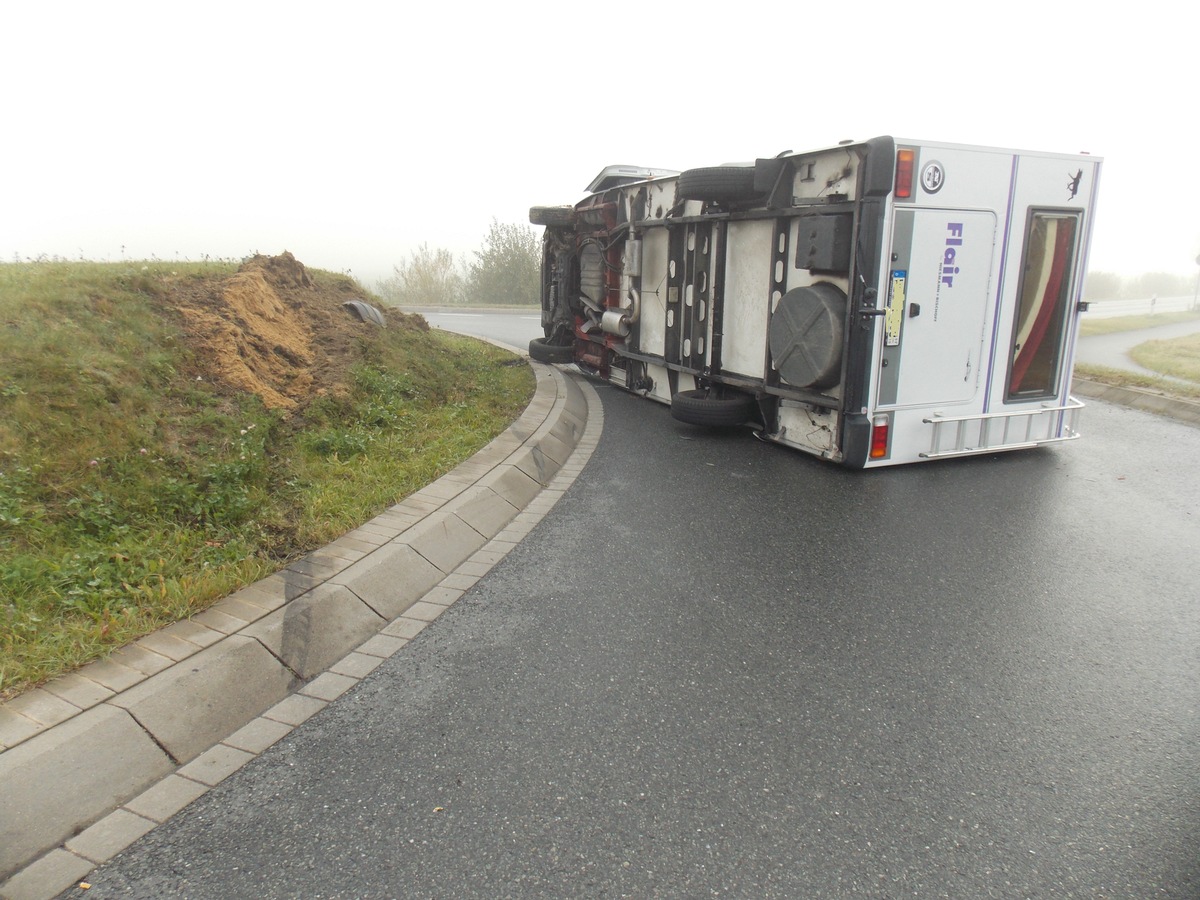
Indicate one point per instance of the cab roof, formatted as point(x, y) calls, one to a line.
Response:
point(612, 176)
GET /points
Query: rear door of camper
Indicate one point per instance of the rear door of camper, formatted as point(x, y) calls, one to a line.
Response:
point(980, 318)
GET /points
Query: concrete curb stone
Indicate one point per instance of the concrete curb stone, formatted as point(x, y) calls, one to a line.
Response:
point(1137, 398)
point(316, 629)
point(102, 750)
point(88, 759)
point(189, 707)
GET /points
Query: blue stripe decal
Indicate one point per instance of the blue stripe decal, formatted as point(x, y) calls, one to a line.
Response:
point(1012, 199)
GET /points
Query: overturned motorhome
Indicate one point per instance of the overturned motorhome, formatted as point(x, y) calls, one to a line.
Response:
point(874, 303)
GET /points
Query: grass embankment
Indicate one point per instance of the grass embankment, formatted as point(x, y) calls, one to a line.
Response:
point(136, 489)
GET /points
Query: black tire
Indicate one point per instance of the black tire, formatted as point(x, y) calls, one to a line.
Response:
point(721, 184)
point(542, 351)
point(552, 215)
point(702, 407)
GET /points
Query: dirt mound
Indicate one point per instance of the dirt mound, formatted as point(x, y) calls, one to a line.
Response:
point(275, 331)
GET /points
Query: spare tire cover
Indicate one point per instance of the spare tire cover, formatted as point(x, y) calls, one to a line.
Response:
point(806, 334)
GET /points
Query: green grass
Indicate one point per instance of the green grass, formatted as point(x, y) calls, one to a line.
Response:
point(133, 495)
point(1092, 327)
point(1178, 357)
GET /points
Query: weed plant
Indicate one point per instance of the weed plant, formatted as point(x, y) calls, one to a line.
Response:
point(133, 494)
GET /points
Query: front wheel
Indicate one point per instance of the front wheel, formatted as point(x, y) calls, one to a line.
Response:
point(560, 216)
point(544, 352)
point(706, 407)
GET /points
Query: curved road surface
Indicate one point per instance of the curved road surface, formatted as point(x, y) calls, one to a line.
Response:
point(1112, 350)
point(721, 668)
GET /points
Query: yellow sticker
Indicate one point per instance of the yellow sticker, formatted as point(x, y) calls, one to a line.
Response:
point(895, 309)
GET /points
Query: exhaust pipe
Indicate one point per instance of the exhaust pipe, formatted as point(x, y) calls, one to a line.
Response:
point(619, 322)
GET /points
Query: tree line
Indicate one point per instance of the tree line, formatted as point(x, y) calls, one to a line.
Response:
point(1107, 286)
point(505, 271)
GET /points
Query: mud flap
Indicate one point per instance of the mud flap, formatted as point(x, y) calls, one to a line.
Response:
point(856, 440)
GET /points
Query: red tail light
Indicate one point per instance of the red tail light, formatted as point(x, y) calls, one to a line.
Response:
point(906, 161)
point(879, 437)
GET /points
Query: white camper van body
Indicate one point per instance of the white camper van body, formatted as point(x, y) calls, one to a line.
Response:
point(873, 303)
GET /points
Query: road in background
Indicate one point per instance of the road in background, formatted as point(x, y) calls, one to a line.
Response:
point(1112, 350)
point(722, 668)
point(516, 329)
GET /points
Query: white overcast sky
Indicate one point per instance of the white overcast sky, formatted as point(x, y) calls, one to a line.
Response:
point(349, 133)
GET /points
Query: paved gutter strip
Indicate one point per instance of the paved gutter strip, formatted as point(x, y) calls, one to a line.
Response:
point(93, 760)
point(1138, 398)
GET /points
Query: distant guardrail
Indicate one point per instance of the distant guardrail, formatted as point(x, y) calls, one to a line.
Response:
point(1108, 309)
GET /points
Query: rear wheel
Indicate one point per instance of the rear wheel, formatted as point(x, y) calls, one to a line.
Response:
point(707, 407)
point(542, 351)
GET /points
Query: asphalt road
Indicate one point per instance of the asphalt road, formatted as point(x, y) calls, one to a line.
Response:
point(722, 668)
point(513, 328)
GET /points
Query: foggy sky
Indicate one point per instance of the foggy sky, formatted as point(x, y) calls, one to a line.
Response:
point(350, 134)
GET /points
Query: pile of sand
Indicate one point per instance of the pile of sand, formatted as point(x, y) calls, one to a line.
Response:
point(271, 330)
